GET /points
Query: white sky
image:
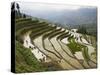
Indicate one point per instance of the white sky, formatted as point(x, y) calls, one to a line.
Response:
point(31, 8)
point(44, 6)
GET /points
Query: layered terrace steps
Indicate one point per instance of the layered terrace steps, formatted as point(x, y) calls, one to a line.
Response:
point(48, 39)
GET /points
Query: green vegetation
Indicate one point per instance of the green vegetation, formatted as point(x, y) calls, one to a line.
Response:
point(82, 30)
point(26, 61)
point(85, 54)
point(74, 47)
point(90, 29)
point(91, 39)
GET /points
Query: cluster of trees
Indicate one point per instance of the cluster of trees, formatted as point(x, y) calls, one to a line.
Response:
point(87, 30)
point(82, 29)
point(15, 10)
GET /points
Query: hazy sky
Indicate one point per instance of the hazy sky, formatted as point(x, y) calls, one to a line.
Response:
point(42, 6)
point(61, 13)
point(28, 7)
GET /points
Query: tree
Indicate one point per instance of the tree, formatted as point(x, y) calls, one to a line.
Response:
point(24, 16)
point(17, 6)
point(12, 12)
point(13, 6)
point(18, 14)
point(82, 29)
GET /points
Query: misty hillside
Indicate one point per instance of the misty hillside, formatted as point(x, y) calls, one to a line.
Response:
point(72, 17)
point(58, 13)
point(82, 16)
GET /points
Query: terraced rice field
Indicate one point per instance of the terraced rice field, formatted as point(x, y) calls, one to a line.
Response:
point(69, 50)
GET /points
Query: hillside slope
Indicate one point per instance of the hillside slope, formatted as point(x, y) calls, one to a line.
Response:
point(41, 46)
